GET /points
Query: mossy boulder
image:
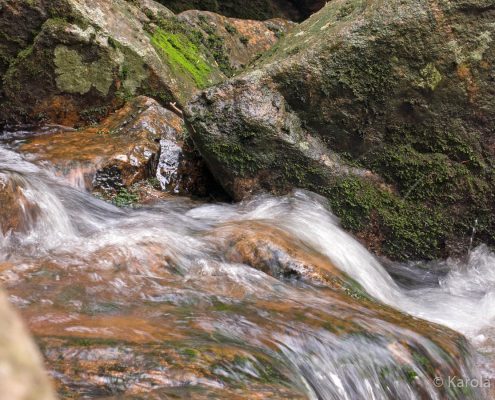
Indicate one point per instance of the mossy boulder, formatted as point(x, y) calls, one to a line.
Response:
point(80, 55)
point(385, 107)
point(74, 61)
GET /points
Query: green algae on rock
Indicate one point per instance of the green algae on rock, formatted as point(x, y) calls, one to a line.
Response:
point(183, 55)
point(384, 107)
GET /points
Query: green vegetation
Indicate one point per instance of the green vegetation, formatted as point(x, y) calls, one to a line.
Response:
point(411, 230)
point(125, 198)
point(244, 40)
point(88, 342)
point(183, 55)
point(189, 353)
point(231, 29)
point(354, 290)
point(154, 183)
point(94, 115)
point(410, 374)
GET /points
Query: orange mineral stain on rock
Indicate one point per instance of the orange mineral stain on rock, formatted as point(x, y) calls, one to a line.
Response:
point(125, 314)
point(465, 74)
point(17, 212)
point(59, 109)
point(139, 141)
point(126, 142)
point(274, 252)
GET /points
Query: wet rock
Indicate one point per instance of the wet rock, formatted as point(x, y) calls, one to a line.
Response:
point(98, 368)
point(276, 253)
point(21, 369)
point(141, 141)
point(120, 321)
point(17, 212)
point(386, 108)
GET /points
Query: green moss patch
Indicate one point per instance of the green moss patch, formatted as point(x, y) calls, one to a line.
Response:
point(182, 55)
point(411, 230)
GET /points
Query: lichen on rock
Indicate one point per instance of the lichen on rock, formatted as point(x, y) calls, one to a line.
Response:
point(75, 76)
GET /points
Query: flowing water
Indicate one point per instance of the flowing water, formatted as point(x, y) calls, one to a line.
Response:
point(163, 301)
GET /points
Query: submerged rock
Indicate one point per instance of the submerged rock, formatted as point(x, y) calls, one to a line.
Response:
point(74, 61)
point(126, 320)
point(21, 368)
point(227, 300)
point(276, 253)
point(141, 141)
point(385, 107)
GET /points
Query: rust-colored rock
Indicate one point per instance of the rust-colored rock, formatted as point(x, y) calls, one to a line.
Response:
point(116, 153)
point(123, 321)
point(140, 141)
point(276, 253)
point(17, 212)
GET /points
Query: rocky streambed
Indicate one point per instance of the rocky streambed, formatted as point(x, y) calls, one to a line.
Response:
point(178, 298)
point(179, 195)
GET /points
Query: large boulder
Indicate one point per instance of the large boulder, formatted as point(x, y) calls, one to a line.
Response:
point(21, 367)
point(72, 62)
point(385, 107)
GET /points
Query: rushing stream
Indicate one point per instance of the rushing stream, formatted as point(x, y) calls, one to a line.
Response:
point(153, 302)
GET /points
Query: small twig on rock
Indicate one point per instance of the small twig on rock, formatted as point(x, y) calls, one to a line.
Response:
point(176, 109)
